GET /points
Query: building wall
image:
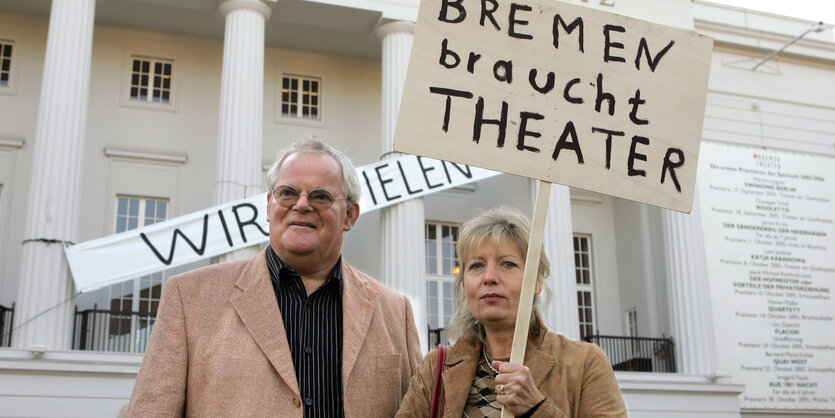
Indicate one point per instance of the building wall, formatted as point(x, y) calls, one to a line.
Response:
point(136, 150)
point(18, 117)
point(592, 214)
point(188, 128)
point(66, 384)
point(640, 287)
point(787, 102)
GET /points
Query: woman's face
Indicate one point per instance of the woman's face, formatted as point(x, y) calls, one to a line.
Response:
point(492, 283)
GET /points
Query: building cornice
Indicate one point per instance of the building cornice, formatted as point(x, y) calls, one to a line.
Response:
point(762, 32)
point(141, 155)
point(9, 142)
point(68, 361)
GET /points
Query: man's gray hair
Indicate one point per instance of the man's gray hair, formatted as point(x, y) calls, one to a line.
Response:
point(350, 181)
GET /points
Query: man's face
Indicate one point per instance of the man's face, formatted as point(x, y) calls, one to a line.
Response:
point(301, 235)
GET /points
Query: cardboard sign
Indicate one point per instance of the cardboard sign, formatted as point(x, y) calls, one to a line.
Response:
point(558, 92)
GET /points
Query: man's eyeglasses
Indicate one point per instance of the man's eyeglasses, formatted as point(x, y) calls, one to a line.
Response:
point(287, 196)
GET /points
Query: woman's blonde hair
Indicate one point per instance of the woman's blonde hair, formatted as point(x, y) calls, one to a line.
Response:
point(494, 225)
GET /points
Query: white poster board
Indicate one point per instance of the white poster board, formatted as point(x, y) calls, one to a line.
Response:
point(240, 224)
point(558, 92)
point(769, 228)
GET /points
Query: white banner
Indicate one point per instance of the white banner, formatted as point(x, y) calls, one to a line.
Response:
point(240, 224)
point(769, 228)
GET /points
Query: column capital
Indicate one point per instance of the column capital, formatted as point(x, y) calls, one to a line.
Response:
point(396, 26)
point(260, 6)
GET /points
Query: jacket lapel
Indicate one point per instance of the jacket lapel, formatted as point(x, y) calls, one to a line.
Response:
point(257, 307)
point(537, 361)
point(457, 377)
point(358, 301)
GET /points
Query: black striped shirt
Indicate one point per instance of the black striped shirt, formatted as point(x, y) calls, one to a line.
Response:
point(314, 332)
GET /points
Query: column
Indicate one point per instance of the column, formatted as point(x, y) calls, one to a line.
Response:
point(44, 299)
point(561, 314)
point(402, 225)
point(689, 291)
point(241, 105)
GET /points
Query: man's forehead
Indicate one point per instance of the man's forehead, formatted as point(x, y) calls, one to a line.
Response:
point(309, 167)
point(308, 160)
point(308, 155)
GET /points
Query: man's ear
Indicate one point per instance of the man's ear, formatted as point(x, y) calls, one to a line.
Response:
point(352, 213)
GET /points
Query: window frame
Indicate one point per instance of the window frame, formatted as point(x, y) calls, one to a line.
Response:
point(632, 322)
point(127, 83)
point(439, 277)
point(10, 88)
point(586, 306)
point(280, 117)
point(154, 280)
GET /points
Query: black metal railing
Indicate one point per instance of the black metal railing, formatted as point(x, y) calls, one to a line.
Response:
point(637, 354)
point(6, 322)
point(436, 336)
point(119, 331)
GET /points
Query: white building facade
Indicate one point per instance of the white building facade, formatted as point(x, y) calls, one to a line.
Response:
point(123, 113)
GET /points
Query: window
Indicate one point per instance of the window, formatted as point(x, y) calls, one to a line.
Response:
point(300, 97)
point(132, 304)
point(632, 322)
point(6, 47)
point(140, 295)
point(441, 266)
point(150, 80)
point(585, 284)
point(632, 328)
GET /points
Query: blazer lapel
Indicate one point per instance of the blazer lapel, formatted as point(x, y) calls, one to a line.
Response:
point(537, 361)
point(257, 307)
point(461, 362)
point(358, 301)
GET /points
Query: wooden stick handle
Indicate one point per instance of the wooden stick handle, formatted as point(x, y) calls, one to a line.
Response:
point(523, 315)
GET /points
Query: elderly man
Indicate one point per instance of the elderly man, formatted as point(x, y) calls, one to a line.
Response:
point(294, 331)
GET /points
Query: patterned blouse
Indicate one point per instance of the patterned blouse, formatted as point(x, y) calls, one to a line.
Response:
point(481, 402)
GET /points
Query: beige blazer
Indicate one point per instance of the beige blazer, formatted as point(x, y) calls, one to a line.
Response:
point(576, 378)
point(218, 347)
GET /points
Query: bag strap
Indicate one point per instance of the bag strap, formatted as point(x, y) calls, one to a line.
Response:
point(436, 387)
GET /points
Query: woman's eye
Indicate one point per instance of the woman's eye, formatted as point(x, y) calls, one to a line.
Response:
point(474, 266)
point(509, 264)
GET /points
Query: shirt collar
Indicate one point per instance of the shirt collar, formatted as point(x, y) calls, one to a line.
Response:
point(279, 270)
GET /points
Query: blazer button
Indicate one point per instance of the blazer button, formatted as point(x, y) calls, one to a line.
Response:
point(297, 402)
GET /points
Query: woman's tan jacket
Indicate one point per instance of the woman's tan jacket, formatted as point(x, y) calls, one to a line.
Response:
point(576, 378)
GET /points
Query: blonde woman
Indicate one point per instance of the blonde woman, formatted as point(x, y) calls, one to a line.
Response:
point(559, 378)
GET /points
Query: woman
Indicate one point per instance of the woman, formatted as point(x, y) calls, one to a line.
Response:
point(559, 378)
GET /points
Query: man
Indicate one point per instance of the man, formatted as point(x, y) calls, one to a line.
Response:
point(294, 331)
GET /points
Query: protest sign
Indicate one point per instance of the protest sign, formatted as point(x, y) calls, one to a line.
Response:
point(560, 93)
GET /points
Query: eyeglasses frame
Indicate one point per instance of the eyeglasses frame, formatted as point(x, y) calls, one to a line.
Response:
point(307, 195)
